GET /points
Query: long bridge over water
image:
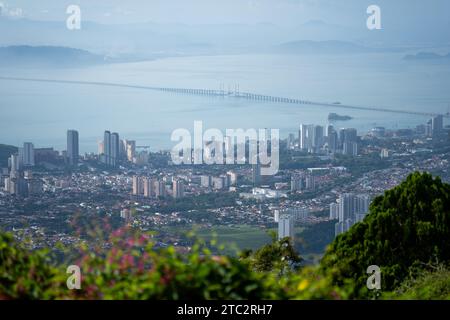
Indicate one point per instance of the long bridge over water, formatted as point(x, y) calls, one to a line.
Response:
point(236, 94)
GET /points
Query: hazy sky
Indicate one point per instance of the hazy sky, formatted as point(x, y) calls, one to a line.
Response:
point(280, 12)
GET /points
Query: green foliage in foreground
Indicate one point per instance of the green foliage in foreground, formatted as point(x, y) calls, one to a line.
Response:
point(134, 269)
point(408, 227)
point(427, 285)
point(404, 234)
point(24, 274)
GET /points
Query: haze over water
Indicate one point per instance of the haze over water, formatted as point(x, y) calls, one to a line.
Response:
point(42, 112)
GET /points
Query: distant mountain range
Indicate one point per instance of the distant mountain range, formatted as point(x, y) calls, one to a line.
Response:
point(63, 57)
point(427, 56)
point(47, 56)
point(320, 47)
point(151, 40)
point(326, 47)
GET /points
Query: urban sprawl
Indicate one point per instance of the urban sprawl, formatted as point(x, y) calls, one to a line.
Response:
point(327, 174)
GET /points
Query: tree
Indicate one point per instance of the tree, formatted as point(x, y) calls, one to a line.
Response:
point(407, 227)
point(279, 256)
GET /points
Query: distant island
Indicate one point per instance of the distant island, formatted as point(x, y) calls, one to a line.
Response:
point(47, 56)
point(427, 56)
point(335, 116)
point(321, 47)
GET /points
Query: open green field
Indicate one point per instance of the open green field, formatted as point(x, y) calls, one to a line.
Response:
point(240, 237)
point(234, 237)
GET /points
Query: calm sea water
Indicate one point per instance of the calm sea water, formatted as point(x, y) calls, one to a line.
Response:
point(42, 112)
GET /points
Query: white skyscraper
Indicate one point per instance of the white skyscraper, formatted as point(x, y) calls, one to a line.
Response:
point(160, 189)
point(15, 164)
point(334, 211)
point(149, 187)
point(276, 216)
point(178, 189)
point(437, 124)
point(130, 149)
point(350, 209)
point(28, 154)
point(362, 204)
point(285, 226)
point(298, 213)
point(306, 135)
point(346, 206)
point(136, 186)
point(233, 177)
point(111, 149)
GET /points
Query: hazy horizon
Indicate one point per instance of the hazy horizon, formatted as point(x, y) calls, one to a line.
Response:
point(258, 44)
point(135, 26)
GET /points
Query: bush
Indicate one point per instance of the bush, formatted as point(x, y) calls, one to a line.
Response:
point(429, 285)
point(132, 268)
point(25, 275)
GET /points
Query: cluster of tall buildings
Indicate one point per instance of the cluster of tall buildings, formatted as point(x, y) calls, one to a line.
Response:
point(311, 137)
point(25, 158)
point(221, 182)
point(20, 181)
point(29, 156)
point(286, 219)
point(178, 188)
point(112, 150)
point(314, 139)
point(110, 153)
point(303, 182)
point(348, 210)
point(435, 126)
point(148, 187)
point(286, 227)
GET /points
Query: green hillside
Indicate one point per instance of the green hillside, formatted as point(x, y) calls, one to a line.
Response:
point(5, 152)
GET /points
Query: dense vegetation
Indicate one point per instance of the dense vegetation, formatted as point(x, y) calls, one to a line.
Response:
point(406, 234)
point(200, 202)
point(408, 227)
point(360, 165)
point(316, 237)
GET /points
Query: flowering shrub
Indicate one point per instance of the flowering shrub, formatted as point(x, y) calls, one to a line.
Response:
point(131, 267)
point(25, 275)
